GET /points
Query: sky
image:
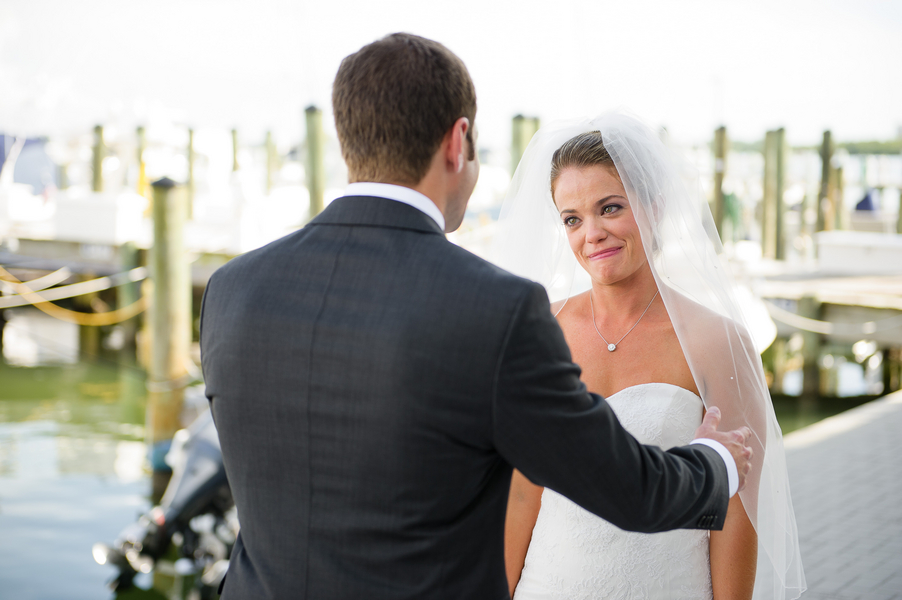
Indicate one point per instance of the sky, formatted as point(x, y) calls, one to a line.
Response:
point(688, 65)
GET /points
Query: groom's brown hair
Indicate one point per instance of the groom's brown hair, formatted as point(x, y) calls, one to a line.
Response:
point(394, 100)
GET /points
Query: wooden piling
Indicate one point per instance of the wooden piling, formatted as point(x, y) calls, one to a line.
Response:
point(522, 130)
point(170, 320)
point(811, 349)
point(782, 157)
point(772, 245)
point(190, 183)
point(892, 370)
point(270, 161)
point(141, 136)
point(89, 338)
point(316, 174)
point(779, 356)
point(824, 201)
point(720, 164)
point(128, 294)
point(235, 165)
point(836, 195)
point(97, 160)
point(63, 171)
point(2, 327)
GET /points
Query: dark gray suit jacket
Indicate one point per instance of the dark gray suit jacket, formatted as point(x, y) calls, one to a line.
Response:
point(374, 384)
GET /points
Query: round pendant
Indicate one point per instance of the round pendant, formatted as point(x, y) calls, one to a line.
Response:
point(611, 347)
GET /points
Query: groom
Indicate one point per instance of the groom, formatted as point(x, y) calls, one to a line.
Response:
point(373, 384)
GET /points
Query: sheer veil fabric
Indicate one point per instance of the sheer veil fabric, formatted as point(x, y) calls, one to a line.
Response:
point(698, 290)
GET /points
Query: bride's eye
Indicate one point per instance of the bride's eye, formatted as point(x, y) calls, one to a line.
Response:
point(610, 209)
point(570, 221)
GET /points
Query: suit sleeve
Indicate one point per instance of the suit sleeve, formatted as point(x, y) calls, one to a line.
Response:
point(560, 436)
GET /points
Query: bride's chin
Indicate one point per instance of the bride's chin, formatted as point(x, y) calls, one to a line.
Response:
point(600, 274)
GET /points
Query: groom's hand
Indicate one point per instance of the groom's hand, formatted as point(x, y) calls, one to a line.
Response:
point(735, 441)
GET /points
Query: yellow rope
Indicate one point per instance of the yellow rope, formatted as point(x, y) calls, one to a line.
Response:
point(111, 317)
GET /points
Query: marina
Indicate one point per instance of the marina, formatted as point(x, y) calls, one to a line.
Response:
point(144, 145)
point(74, 470)
point(102, 279)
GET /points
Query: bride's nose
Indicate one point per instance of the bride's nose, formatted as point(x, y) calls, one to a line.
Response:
point(595, 232)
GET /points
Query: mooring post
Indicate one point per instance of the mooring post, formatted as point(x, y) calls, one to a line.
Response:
point(522, 130)
point(824, 212)
point(517, 144)
point(720, 166)
point(773, 244)
point(133, 391)
point(892, 369)
point(88, 336)
point(170, 329)
point(769, 198)
point(899, 216)
point(63, 171)
point(811, 349)
point(779, 364)
point(780, 234)
point(316, 173)
point(836, 193)
point(97, 160)
point(2, 327)
point(235, 150)
point(270, 161)
point(142, 167)
point(128, 294)
point(190, 184)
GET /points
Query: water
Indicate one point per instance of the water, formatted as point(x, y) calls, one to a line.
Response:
point(73, 459)
point(794, 413)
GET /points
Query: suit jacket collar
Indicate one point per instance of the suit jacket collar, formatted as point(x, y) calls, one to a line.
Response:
point(372, 211)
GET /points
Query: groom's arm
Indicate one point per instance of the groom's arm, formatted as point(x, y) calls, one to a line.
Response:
point(560, 436)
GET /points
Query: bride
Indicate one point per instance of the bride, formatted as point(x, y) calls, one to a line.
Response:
point(607, 218)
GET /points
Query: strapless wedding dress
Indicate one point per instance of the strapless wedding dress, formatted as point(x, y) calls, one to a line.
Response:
point(575, 554)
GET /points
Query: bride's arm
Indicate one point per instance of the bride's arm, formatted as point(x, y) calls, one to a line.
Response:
point(522, 511)
point(734, 555)
point(733, 382)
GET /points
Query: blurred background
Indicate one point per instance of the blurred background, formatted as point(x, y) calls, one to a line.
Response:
point(143, 144)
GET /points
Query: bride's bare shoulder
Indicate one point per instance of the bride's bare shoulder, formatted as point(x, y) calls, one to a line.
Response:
point(719, 331)
point(695, 314)
point(563, 309)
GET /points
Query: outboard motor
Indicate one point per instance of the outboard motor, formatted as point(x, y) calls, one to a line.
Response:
point(196, 515)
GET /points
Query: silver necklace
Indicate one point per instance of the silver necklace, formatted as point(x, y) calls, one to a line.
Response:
point(612, 347)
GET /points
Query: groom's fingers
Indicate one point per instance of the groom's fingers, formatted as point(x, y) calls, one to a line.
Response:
point(712, 418)
point(708, 428)
point(745, 467)
point(740, 436)
point(735, 441)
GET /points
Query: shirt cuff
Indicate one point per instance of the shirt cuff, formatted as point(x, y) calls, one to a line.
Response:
point(732, 473)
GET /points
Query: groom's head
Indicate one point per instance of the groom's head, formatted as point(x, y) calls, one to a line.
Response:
point(394, 101)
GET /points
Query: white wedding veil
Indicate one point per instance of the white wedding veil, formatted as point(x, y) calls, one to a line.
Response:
point(698, 290)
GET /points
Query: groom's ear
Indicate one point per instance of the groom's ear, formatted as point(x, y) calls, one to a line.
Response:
point(455, 144)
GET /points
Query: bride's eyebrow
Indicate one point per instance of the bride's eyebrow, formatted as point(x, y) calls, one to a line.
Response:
point(597, 202)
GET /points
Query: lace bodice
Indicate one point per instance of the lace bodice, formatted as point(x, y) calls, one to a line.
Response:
point(575, 554)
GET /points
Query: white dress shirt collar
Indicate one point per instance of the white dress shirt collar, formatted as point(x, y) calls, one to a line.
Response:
point(400, 194)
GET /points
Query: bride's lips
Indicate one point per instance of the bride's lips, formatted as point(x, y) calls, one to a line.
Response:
point(607, 252)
